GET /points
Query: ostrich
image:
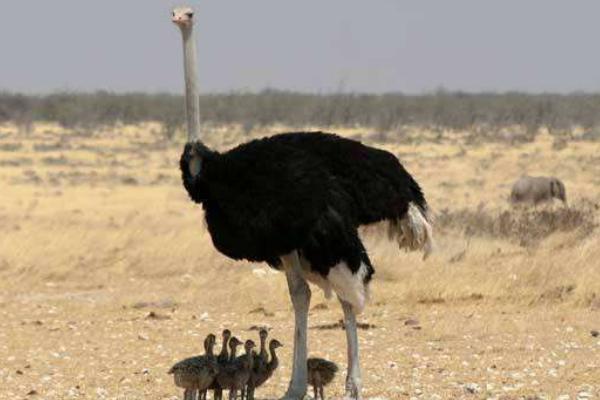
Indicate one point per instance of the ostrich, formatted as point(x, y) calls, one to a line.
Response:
point(320, 373)
point(196, 374)
point(260, 364)
point(260, 367)
point(222, 359)
point(295, 201)
point(235, 374)
point(224, 355)
point(224, 366)
point(263, 334)
point(267, 370)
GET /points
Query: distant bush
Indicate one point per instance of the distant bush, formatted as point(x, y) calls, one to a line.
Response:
point(386, 112)
point(525, 226)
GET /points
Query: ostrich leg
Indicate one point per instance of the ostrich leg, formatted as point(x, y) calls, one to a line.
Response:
point(189, 394)
point(300, 294)
point(353, 377)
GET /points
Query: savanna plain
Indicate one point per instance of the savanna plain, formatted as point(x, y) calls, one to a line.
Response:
point(108, 275)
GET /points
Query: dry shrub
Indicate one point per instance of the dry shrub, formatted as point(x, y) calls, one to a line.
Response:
point(16, 162)
point(592, 136)
point(525, 226)
point(10, 147)
point(49, 147)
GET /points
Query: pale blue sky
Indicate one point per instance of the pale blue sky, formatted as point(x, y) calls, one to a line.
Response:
point(309, 45)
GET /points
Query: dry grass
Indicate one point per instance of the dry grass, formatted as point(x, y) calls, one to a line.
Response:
point(96, 233)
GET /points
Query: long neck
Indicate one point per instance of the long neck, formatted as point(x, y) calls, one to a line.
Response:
point(192, 100)
point(233, 352)
point(263, 350)
point(209, 350)
point(224, 348)
point(249, 359)
point(274, 360)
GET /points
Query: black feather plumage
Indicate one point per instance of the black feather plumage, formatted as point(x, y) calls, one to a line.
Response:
point(297, 191)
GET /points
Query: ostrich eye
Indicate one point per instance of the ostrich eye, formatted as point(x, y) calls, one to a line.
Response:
point(190, 14)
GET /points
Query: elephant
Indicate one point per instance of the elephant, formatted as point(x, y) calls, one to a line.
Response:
point(537, 189)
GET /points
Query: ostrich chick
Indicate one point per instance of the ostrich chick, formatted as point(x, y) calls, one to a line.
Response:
point(265, 372)
point(320, 373)
point(195, 374)
point(236, 373)
point(222, 359)
point(260, 364)
point(233, 344)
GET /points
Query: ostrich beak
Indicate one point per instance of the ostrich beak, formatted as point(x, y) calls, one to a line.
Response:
point(180, 21)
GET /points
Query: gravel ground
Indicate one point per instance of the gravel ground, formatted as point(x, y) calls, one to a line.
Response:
point(98, 344)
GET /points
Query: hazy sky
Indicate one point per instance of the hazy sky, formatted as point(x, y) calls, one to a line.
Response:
point(309, 45)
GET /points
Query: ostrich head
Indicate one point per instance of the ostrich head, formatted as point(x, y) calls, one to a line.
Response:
point(275, 344)
point(263, 333)
point(183, 17)
point(248, 346)
point(209, 343)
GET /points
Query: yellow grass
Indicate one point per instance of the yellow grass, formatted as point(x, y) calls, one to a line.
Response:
point(97, 223)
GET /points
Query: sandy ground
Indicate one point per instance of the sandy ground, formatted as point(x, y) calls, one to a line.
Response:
point(108, 276)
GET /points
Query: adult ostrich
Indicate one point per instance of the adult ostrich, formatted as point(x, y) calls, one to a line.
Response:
point(295, 201)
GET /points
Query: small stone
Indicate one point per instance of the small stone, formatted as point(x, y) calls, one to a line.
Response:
point(411, 322)
point(472, 388)
point(156, 316)
point(32, 392)
point(594, 333)
point(142, 336)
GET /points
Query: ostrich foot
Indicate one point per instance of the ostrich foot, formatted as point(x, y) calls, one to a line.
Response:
point(353, 390)
point(296, 392)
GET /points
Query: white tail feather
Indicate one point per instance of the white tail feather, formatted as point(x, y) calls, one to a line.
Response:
point(413, 231)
